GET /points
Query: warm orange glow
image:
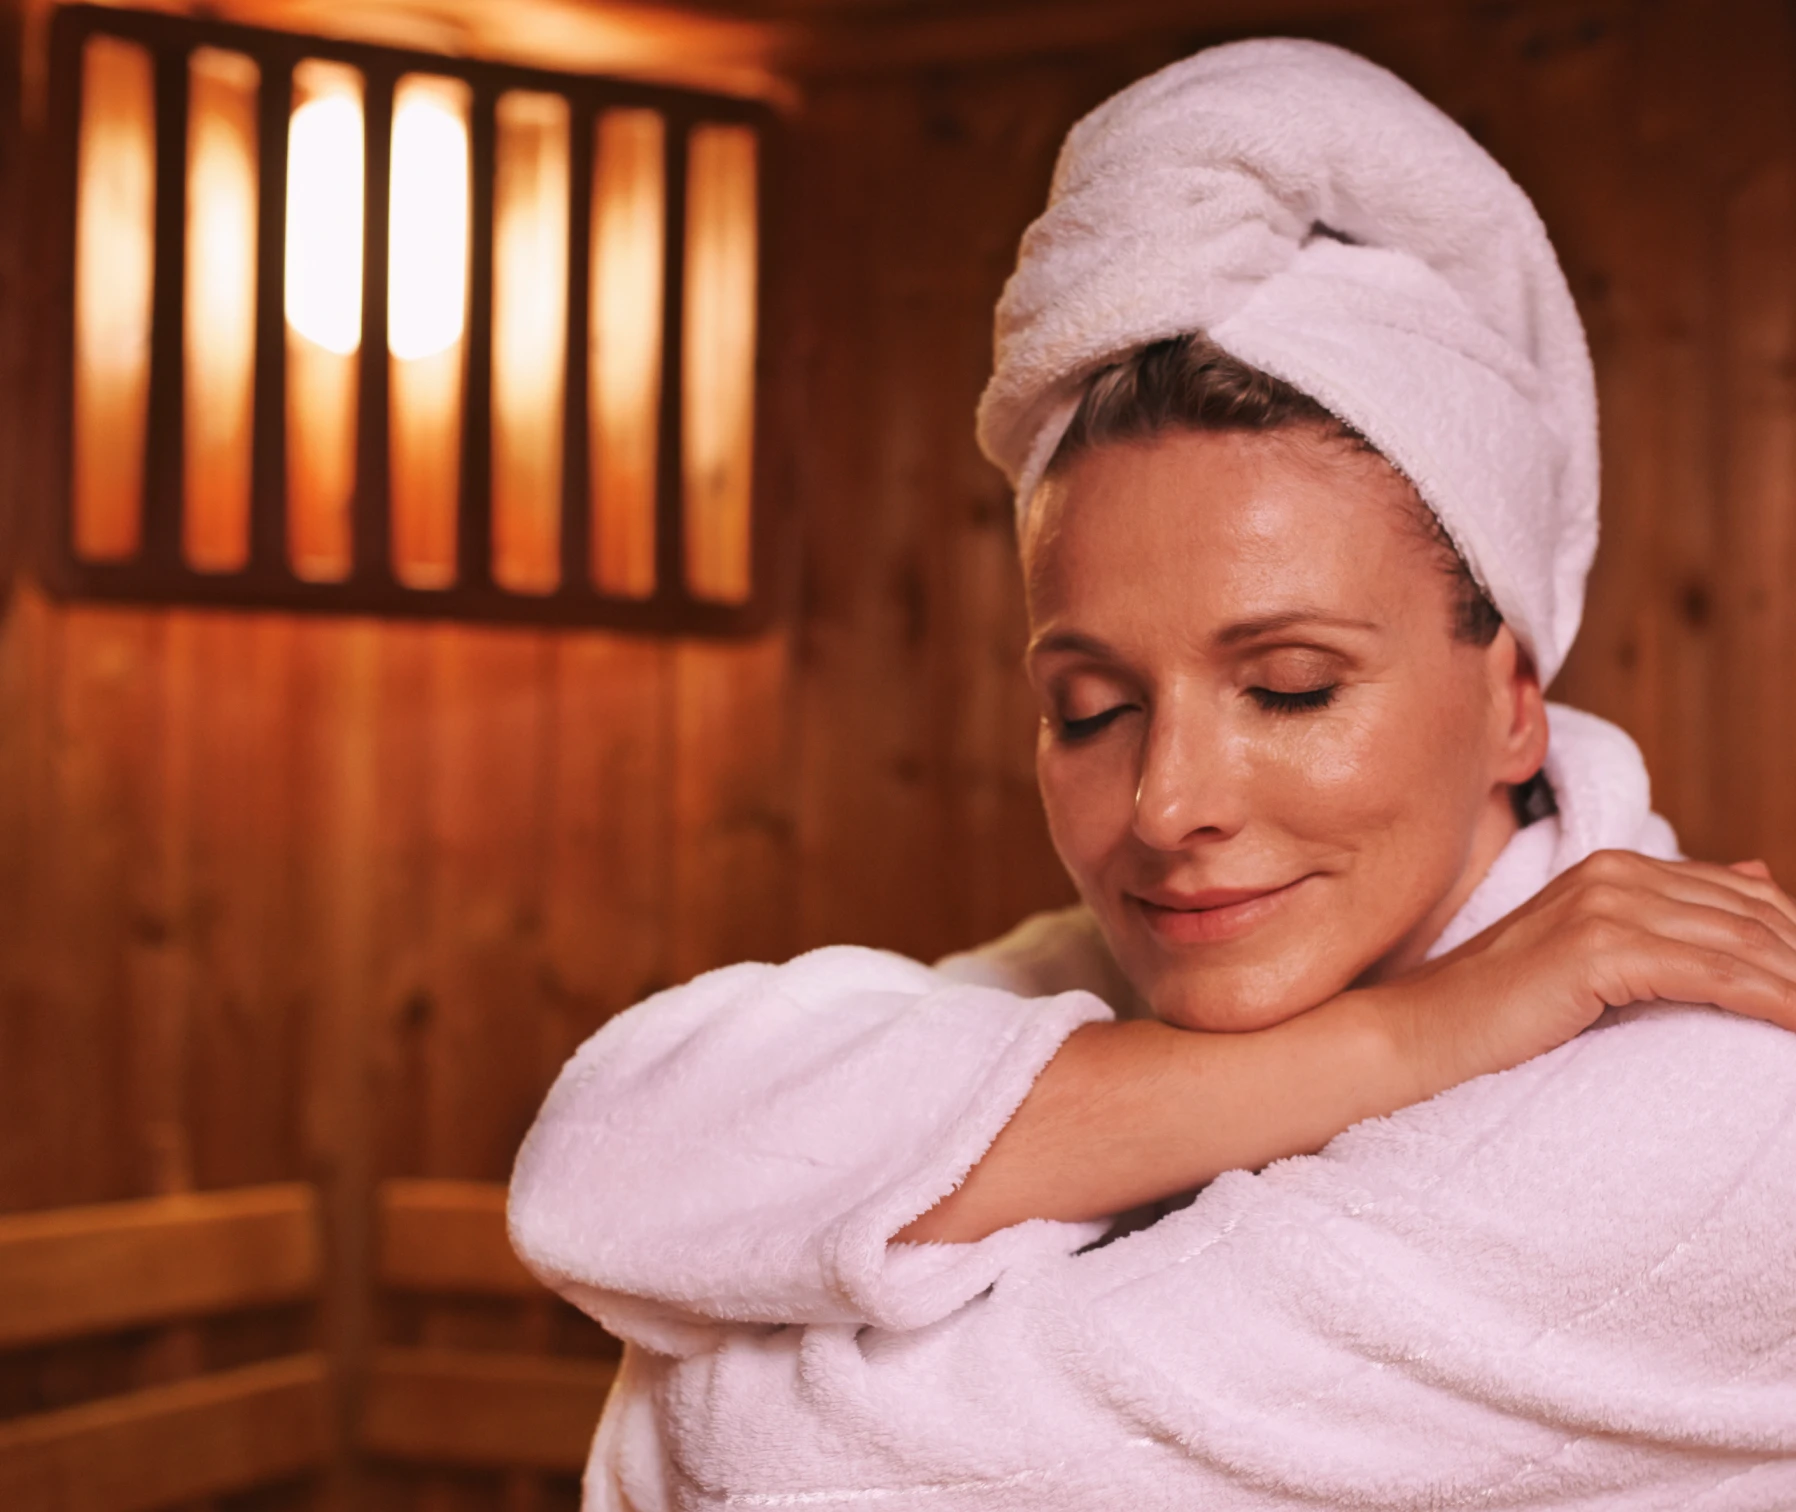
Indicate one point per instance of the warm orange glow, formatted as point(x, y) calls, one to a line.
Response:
point(530, 234)
point(427, 303)
point(220, 339)
point(718, 399)
point(324, 314)
point(115, 239)
point(628, 251)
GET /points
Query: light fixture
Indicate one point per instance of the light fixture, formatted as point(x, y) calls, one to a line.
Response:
point(364, 330)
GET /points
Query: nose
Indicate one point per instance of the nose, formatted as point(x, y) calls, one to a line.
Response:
point(1191, 786)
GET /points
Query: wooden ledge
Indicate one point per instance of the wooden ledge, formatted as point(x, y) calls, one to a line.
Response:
point(71, 1271)
point(171, 1444)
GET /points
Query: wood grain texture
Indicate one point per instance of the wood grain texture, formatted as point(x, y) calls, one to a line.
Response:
point(153, 1449)
point(452, 1407)
point(14, 161)
point(449, 1237)
point(109, 1266)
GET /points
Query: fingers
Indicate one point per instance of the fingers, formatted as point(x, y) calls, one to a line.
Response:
point(1749, 878)
point(1688, 973)
point(1702, 890)
point(1720, 931)
point(1616, 882)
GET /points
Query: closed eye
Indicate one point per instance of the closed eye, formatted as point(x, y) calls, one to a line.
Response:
point(1084, 729)
point(1274, 702)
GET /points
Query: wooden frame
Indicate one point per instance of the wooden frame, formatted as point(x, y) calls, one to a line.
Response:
point(158, 574)
point(475, 1408)
point(83, 1270)
point(71, 1272)
point(166, 1445)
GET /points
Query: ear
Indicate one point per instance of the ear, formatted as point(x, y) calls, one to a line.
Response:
point(1518, 710)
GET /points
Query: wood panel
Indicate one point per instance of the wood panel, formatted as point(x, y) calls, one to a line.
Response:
point(159, 1448)
point(452, 1407)
point(673, 44)
point(80, 1270)
point(449, 1236)
point(13, 164)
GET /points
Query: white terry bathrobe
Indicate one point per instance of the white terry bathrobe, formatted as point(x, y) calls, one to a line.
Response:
point(1571, 1285)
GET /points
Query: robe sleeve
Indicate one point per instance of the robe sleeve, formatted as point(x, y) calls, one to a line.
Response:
point(1569, 1285)
point(742, 1149)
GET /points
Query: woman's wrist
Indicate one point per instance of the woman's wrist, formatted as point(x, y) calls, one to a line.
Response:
point(1370, 1057)
point(1422, 1054)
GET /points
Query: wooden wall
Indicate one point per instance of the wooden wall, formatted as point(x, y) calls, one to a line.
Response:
point(291, 898)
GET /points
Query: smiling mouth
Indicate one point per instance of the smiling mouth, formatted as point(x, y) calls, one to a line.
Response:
point(1216, 914)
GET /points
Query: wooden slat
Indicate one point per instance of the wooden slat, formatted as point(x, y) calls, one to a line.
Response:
point(456, 1407)
point(891, 38)
point(449, 1237)
point(157, 1448)
point(80, 1270)
point(640, 39)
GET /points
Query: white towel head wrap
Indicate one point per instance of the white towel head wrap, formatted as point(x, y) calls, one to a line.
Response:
point(1319, 220)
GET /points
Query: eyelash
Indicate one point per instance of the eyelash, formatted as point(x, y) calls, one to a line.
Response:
point(1295, 703)
point(1073, 730)
point(1308, 701)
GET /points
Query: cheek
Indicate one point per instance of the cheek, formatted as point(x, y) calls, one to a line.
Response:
point(1336, 775)
point(1088, 795)
point(1395, 776)
point(1396, 762)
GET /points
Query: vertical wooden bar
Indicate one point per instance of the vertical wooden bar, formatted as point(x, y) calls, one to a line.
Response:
point(12, 268)
point(163, 470)
point(268, 503)
point(371, 526)
point(576, 440)
point(474, 543)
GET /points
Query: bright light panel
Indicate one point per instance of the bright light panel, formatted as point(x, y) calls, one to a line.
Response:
point(115, 247)
point(718, 356)
point(628, 255)
point(324, 315)
point(530, 235)
point(427, 297)
point(427, 225)
point(324, 210)
point(220, 308)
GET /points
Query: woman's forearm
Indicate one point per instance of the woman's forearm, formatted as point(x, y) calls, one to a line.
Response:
point(1131, 1113)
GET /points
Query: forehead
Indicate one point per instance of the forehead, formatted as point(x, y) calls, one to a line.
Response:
point(1212, 526)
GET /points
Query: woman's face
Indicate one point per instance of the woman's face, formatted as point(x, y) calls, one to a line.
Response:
point(1269, 766)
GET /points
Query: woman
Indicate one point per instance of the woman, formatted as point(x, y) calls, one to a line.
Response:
point(1303, 434)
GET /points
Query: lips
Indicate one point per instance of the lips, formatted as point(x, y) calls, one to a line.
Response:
point(1211, 914)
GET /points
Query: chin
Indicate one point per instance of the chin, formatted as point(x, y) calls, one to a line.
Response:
point(1235, 999)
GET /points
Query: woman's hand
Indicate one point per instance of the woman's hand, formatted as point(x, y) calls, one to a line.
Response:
point(1618, 928)
point(1131, 1113)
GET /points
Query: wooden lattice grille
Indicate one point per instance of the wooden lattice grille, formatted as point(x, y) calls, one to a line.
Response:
point(357, 329)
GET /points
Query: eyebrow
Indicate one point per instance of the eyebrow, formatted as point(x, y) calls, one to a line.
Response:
point(1239, 633)
point(1288, 619)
